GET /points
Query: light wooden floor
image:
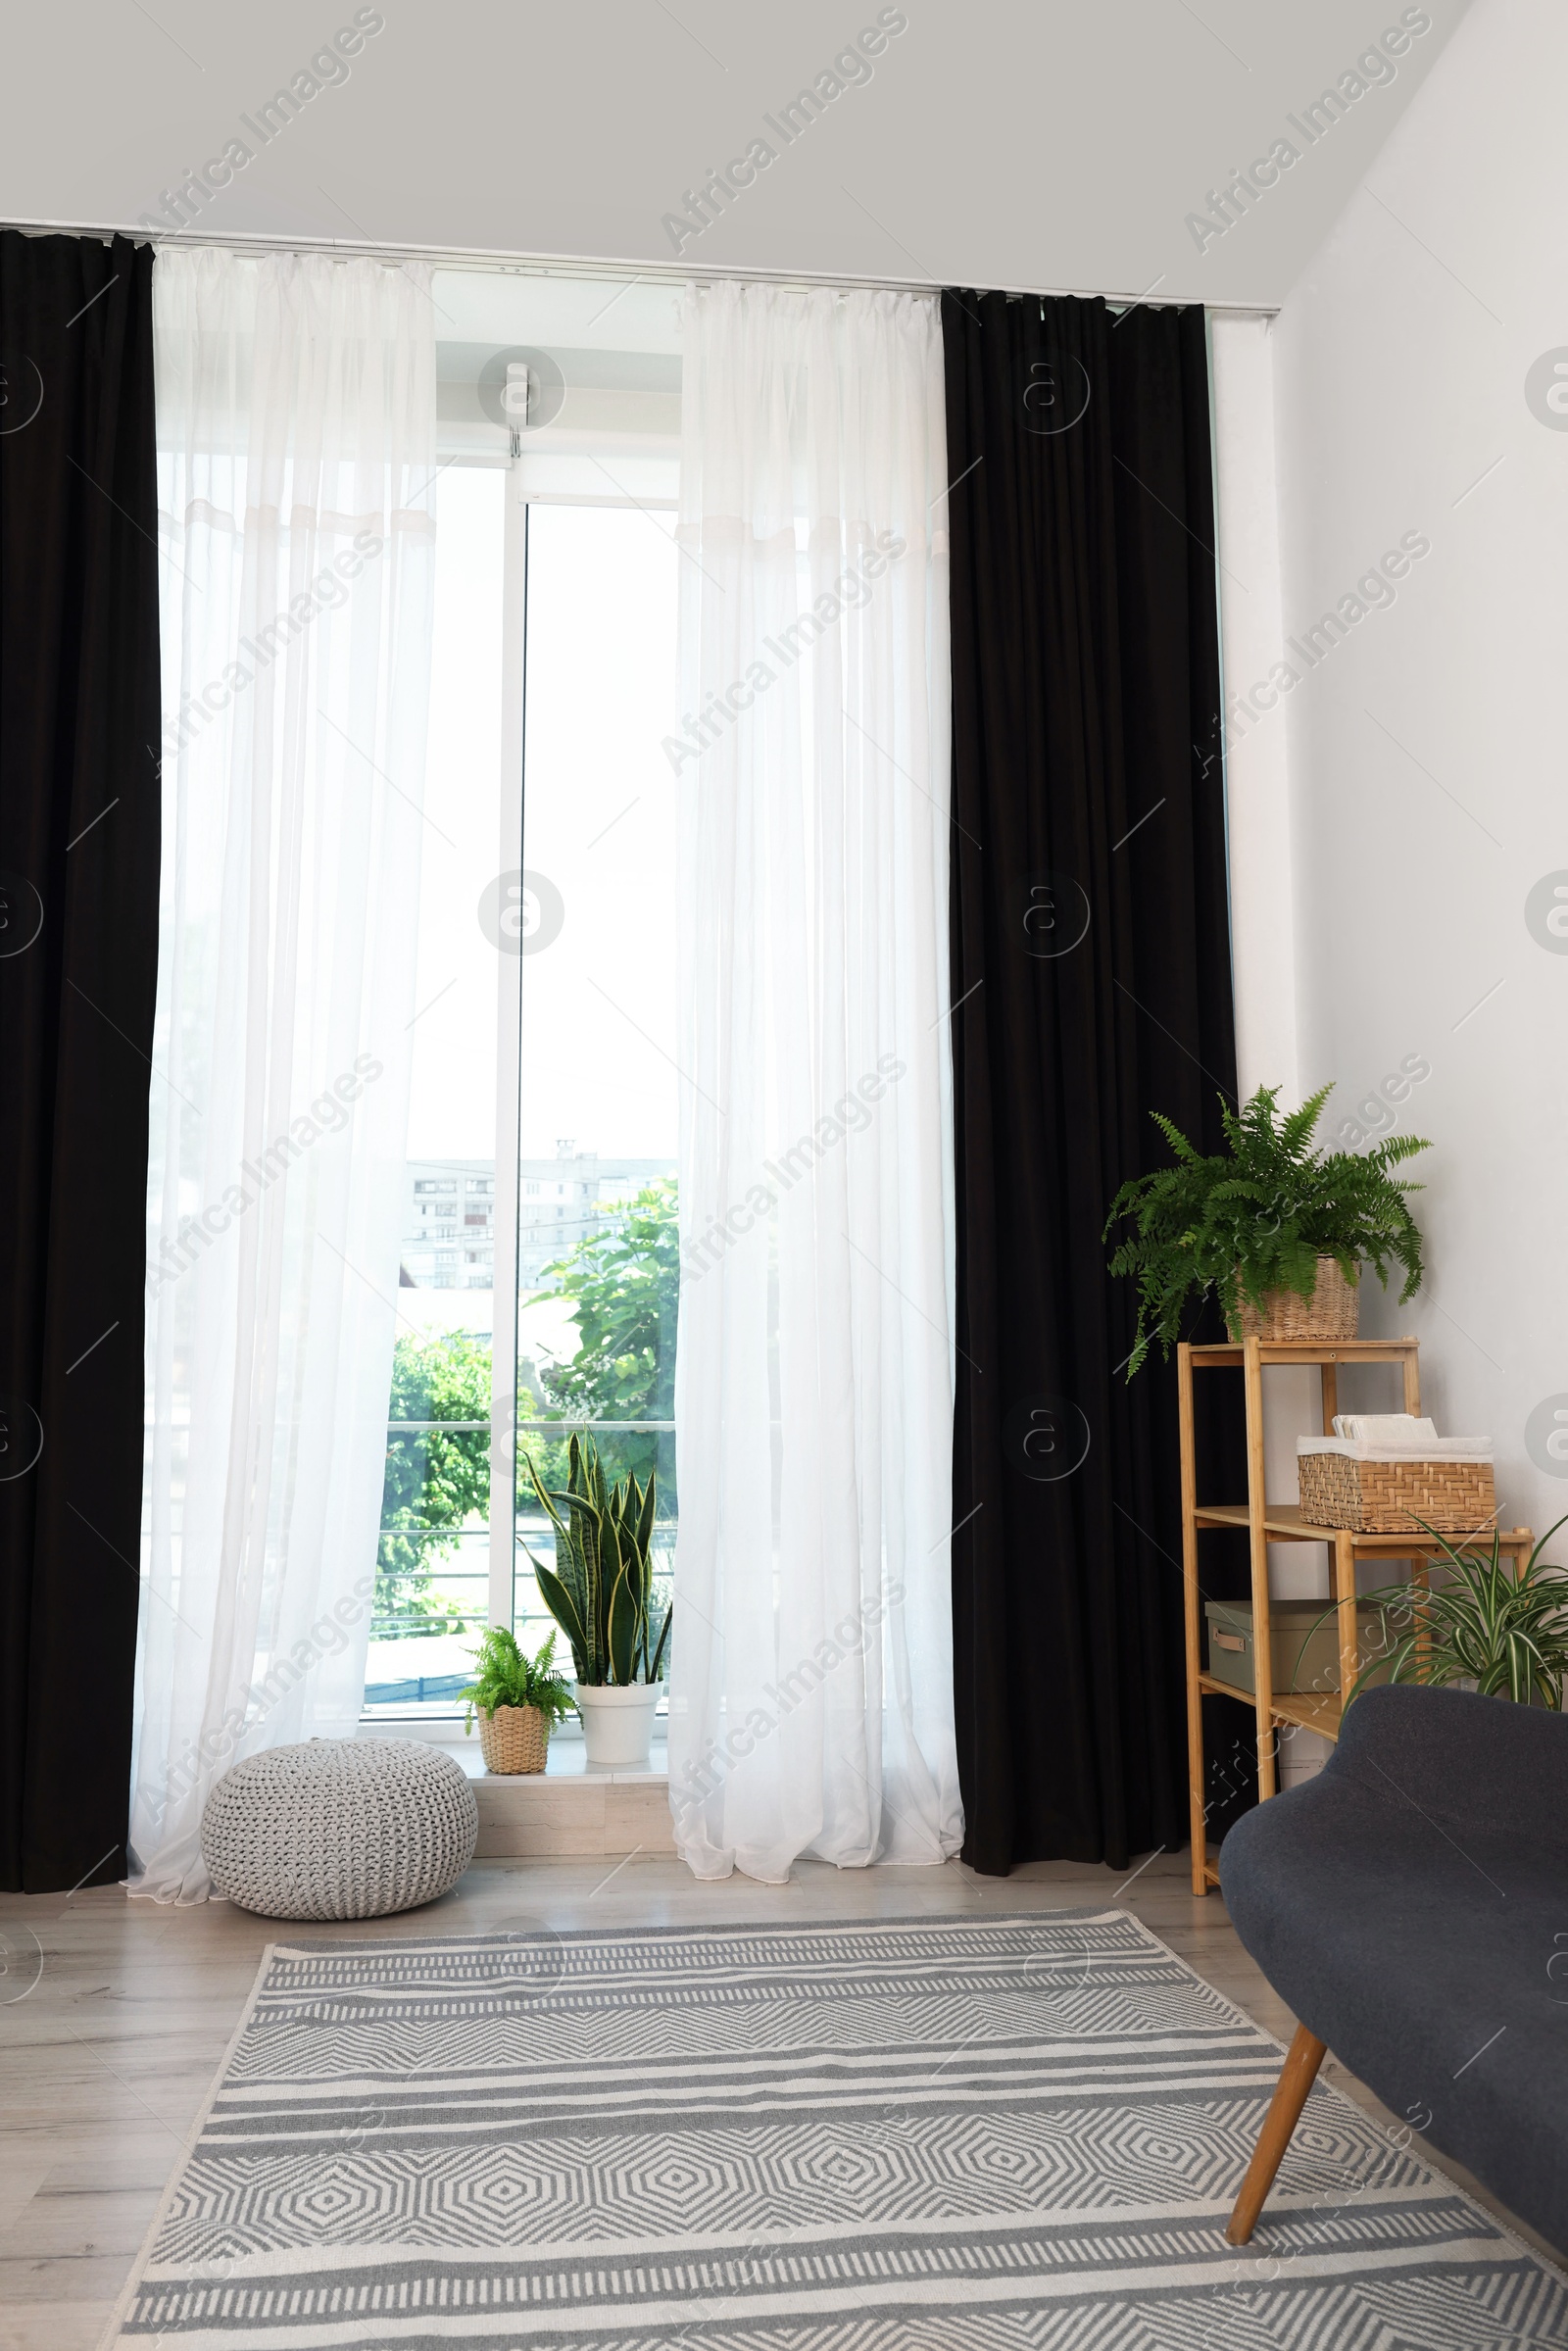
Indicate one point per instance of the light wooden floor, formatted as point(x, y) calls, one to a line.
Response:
point(115, 2015)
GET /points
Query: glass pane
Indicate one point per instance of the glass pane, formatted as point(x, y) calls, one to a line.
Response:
point(597, 1241)
point(432, 1566)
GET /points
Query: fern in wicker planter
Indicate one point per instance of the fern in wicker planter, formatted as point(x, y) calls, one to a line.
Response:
point(1277, 1231)
point(518, 1700)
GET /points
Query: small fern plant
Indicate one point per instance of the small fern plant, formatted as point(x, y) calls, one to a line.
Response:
point(507, 1677)
point(1258, 1217)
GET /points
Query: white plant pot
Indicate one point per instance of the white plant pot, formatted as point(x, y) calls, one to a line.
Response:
point(617, 1723)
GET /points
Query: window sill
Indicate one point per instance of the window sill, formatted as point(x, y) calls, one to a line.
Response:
point(567, 1757)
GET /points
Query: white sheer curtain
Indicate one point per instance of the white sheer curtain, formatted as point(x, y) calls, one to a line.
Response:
point(812, 1687)
point(296, 418)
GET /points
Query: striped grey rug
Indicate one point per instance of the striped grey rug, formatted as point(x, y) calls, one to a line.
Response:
point(965, 2133)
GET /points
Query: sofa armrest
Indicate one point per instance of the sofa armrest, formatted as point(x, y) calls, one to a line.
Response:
point(1486, 1764)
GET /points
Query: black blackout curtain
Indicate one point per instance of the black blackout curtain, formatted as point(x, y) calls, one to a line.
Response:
point(79, 914)
point(1091, 981)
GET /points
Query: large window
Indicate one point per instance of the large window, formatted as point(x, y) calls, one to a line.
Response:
point(434, 1563)
point(597, 1245)
point(538, 1278)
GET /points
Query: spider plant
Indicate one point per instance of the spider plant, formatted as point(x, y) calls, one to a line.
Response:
point(507, 1677)
point(1507, 1634)
point(600, 1591)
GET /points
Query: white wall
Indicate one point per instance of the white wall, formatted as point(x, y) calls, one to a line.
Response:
point(1251, 632)
point(1023, 143)
point(1263, 958)
point(1427, 751)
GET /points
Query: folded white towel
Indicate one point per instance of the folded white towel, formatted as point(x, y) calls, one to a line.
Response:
point(1422, 1448)
point(1382, 1428)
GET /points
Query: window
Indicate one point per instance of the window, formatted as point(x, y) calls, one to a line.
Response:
point(564, 608)
point(599, 1010)
point(432, 1568)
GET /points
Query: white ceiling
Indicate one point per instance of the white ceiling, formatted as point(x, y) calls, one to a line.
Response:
point(1020, 143)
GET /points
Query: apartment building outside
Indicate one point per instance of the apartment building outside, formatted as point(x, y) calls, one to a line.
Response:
point(448, 1239)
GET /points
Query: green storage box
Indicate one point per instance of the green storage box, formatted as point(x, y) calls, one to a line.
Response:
point(1304, 1635)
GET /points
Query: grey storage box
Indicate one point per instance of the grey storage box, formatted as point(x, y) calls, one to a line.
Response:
point(1303, 1635)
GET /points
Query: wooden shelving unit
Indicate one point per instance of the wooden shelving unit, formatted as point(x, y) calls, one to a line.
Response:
point(1268, 1522)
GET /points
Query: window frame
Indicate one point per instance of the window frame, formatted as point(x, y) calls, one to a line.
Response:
point(508, 1187)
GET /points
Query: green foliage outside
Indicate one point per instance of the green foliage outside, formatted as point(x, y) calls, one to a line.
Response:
point(623, 1284)
point(1258, 1217)
point(437, 1480)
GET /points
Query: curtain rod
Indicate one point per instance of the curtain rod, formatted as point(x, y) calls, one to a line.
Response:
point(565, 265)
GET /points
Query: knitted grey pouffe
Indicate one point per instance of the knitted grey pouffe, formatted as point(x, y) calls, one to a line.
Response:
point(340, 1829)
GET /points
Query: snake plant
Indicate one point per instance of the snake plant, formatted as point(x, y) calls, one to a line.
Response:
point(1507, 1634)
point(601, 1590)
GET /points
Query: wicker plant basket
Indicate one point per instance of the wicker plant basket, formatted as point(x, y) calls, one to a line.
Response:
point(1331, 1312)
point(1393, 1497)
point(514, 1739)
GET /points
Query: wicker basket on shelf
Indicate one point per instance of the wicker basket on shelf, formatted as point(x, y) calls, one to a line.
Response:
point(1331, 1312)
point(1395, 1497)
point(514, 1738)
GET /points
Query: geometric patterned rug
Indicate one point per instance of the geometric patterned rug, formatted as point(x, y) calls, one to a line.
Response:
point(972, 2134)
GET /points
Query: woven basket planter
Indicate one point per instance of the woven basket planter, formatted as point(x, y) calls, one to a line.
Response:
point(514, 1739)
point(1331, 1312)
point(1393, 1497)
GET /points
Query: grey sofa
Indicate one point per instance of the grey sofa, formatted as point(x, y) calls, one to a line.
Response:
point(1411, 1905)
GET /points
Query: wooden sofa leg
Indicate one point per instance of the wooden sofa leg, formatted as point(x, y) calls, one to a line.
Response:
point(1297, 2077)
